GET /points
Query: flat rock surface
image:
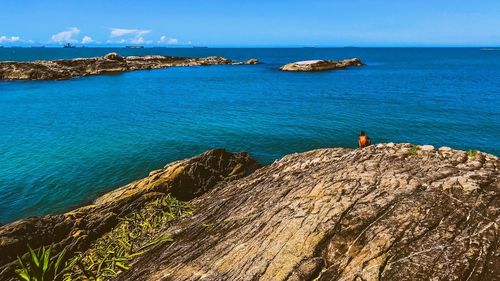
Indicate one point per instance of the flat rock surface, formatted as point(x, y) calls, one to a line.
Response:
point(321, 65)
point(108, 64)
point(380, 213)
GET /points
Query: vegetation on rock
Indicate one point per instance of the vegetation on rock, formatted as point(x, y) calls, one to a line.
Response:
point(113, 253)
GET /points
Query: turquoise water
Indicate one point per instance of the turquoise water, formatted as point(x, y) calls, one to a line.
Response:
point(63, 143)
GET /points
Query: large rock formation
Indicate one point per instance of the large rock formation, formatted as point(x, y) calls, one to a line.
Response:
point(109, 64)
point(75, 230)
point(321, 65)
point(385, 212)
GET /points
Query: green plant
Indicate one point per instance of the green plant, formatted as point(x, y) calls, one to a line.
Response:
point(413, 150)
point(40, 265)
point(132, 237)
point(471, 153)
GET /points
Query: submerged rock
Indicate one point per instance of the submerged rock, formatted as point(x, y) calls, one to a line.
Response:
point(250, 61)
point(110, 63)
point(321, 65)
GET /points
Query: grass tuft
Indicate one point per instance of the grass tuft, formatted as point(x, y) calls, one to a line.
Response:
point(413, 150)
point(472, 153)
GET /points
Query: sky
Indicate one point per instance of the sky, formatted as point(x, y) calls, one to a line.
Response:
point(251, 23)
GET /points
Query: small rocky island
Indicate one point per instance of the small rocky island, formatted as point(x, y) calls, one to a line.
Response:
point(385, 212)
point(321, 65)
point(108, 64)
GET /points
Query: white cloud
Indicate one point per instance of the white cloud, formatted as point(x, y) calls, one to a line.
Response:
point(87, 39)
point(166, 40)
point(119, 32)
point(11, 39)
point(66, 36)
point(134, 36)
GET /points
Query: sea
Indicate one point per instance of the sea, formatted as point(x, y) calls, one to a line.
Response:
point(64, 143)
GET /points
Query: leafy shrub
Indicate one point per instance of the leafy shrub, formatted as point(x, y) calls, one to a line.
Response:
point(41, 266)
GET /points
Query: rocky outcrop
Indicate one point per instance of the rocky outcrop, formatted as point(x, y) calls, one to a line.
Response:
point(109, 64)
point(386, 212)
point(75, 230)
point(321, 65)
point(250, 61)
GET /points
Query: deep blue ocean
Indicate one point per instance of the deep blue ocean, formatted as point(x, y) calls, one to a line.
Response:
point(63, 143)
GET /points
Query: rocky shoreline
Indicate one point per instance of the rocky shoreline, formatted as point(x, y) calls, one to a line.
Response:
point(386, 212)
point(111, 63)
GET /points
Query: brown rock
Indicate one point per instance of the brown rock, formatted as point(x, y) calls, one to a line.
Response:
point(75, 230)
point(340, 214)
point(113, 56)
point(110, 63)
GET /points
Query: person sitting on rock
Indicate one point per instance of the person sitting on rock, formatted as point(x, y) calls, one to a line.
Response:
point(363, 140)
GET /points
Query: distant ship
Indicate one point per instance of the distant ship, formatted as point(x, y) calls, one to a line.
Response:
point(308, 47)
point(68, 46)
point(134, 47)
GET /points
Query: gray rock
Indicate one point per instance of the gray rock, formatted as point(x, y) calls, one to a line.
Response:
point(321, 65)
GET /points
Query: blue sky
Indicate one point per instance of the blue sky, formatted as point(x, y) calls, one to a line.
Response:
point(252, 23)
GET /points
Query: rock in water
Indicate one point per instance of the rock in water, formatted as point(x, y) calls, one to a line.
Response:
point(113, 56)
point(110, 63)
point(379, 213)
point(321, 65)
point(250, 61)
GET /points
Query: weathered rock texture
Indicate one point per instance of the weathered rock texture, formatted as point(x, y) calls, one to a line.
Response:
point(75, 230)
point(379, 213)
point(109, 64)
point(321, 65)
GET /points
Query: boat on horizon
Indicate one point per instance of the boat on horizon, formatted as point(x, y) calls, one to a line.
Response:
point(134, 47)
point(68, 45)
